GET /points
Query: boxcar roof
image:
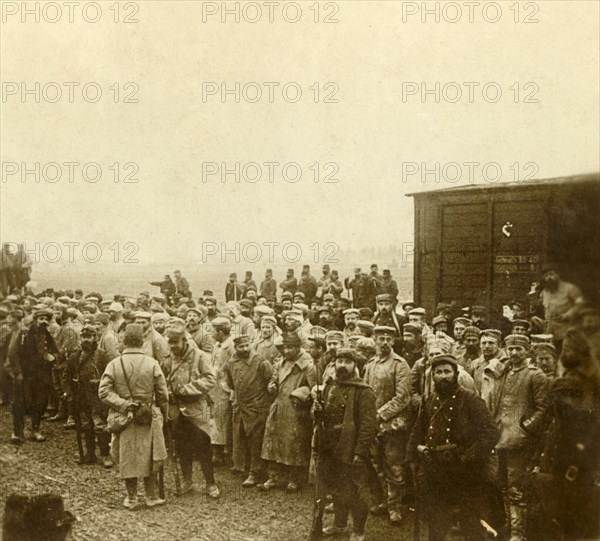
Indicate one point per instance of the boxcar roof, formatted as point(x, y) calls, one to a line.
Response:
point(523, 184)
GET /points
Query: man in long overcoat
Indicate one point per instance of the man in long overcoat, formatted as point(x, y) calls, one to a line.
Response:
point(287, 437)
point(249, 374)
point(129, 380)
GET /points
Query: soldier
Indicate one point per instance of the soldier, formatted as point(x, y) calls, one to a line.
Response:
point(264, 346)
point(200, 329)
point(268, 287)
point(348, 424)
point(389, 376)
point(211, 305)
point(472, 351)
point(412, 343)
point(31, 354)
point(189, 380)
point(249, 374)
point(233, 290)
point(182, 286)
point(307, 286)
point(290, 284)
point(155, 345)
point(286, 443)
point(248, 284)
point(568, 472)
point(361, 289)
point(67, 341)
point(492, 357)
point(518, 403)
point(222, 352)
point(544, 357)
point(83, 374)
point(452, 439)
point(351, 317)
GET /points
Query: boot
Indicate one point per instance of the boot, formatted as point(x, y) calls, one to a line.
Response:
point(90, 449)
point(517, 522)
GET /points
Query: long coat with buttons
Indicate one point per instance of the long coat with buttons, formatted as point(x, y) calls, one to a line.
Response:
point(288, 429)
point(390, 378)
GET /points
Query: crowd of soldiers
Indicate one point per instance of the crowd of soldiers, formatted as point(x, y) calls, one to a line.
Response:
point(485, 427)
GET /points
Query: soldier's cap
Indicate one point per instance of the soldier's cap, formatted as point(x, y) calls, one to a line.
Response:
point(472, 331)
point(366, 343)
point(72, 312)
point(278, 341)
point(299, 294)
point(446, 358)
point(89, 330)
point(386, 272)
point(291, 339)
point(269, 319)
point(345, 301)
point(207, 293)
point(517, 340)
point(463, 321)
point(92, 299)
point(159, 297)
point(210, 298)
point(491, 333)
point(354, 338)
point(384, 297)
point(295, 314)
point(414, 328)
point(478, 310)
point(337, 336)
point(133, 331)
point(43, 311)
point(439, 319)
point(547, 267)
point(407, 303)
point(365, 324)
point(106, 302)
point(384, 330)
point(17, 313)
point(263, 310)
point(438, 342)
point(324, 308)
point(544, 347)
point(233, 275)
point(347, 353)
point(328, 297)
point(246, 303)
point(350, 311)
point(357, 270)
point(175, 328)
point(539, 338)
point(202, 311)
point(221, 321)
point(155, 307)
point(242, 339)
point(317, 334)
point(302, 307)
point(521, 323)
point(142, 315)
point(418, 311)
point(287, 295)
point(64, 299)
point(271, 298)
point(102, 318)
point(115, 307)
point(159, 316)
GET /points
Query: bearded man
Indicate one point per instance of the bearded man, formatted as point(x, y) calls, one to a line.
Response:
point(346, 425)
point(31, 355)
point(351, 317)
point(155, 345)
point(264, 346)
point(452, 439)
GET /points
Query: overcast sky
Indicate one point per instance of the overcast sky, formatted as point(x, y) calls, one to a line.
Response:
point(369, 54)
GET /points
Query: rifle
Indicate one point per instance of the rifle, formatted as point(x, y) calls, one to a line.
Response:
point(316, 530)
point(174, 461)
point(77, 412)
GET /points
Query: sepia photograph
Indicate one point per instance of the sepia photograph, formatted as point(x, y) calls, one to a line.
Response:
point(300, 270)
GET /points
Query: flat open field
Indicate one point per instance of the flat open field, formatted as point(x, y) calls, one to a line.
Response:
point(95, 496)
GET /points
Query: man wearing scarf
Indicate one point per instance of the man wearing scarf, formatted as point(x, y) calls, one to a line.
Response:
point(348, 424)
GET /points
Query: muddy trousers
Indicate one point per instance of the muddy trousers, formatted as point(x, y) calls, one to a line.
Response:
point(191, 444)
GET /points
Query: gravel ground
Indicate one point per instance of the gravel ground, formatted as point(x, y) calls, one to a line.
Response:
point(95, 496)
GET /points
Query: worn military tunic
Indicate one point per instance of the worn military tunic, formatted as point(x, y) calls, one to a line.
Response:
point(288, 429)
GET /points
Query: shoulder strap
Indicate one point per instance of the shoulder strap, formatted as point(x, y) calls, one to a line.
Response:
point(126, 377)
